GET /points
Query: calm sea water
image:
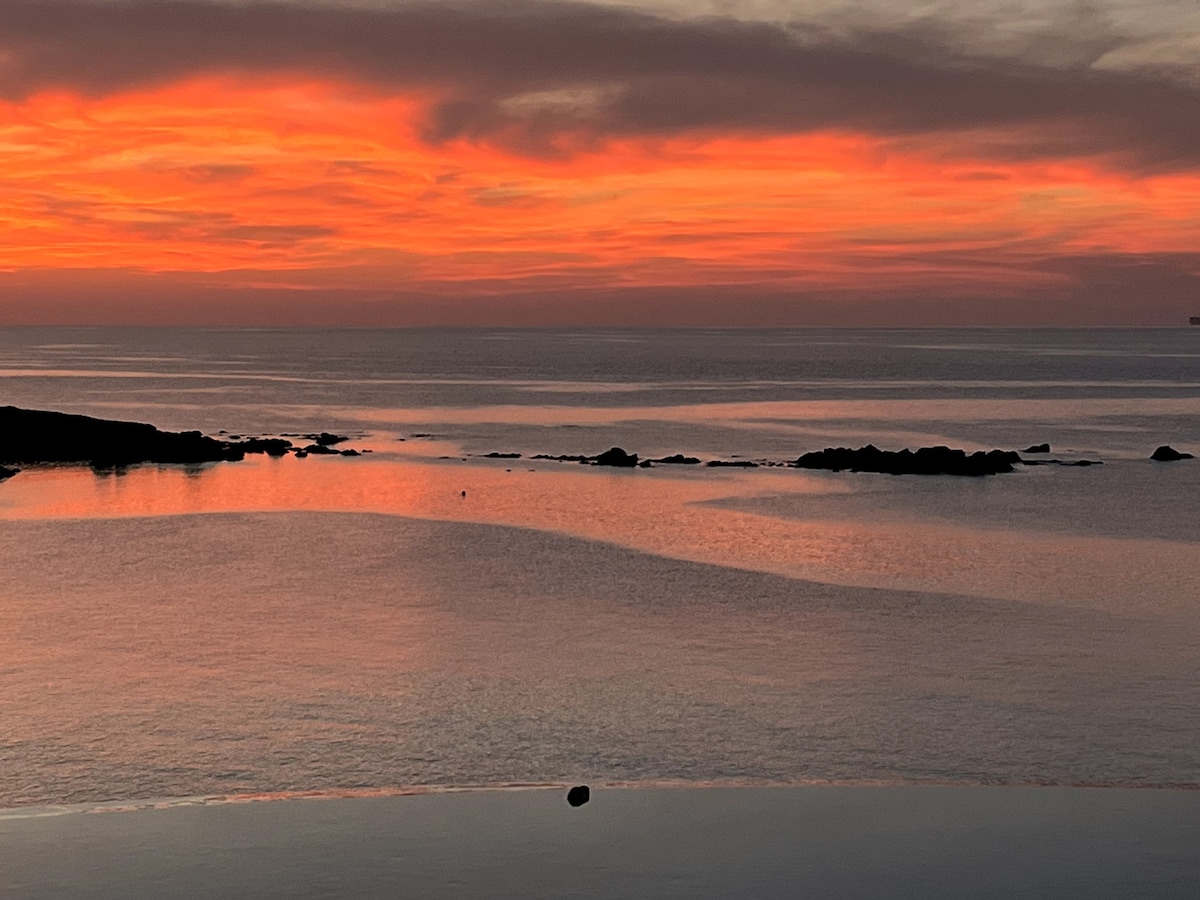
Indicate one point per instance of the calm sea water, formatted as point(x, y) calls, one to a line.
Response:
point(341, 625)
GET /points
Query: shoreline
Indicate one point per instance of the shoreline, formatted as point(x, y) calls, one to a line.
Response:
point(136, 805)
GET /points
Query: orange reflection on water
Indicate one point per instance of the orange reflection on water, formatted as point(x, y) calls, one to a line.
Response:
point(660, 511)
point(560, 497)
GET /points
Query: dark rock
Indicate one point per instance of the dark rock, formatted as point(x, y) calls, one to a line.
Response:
point(301, 454)
point(616, 457)
point(270, 446)
point(1037, 448)
point(925, 461)
point(1083, 462)
point(7, 473)
point(325, 439)
point(579, 795)
point(38, 436)
point(423, 434)
point(568, 458)
point(645, 464)
point(1166, 453)
point(350, 452)
point(321, 450)
point(495, 455)
point(678, 459)
point(731, 464)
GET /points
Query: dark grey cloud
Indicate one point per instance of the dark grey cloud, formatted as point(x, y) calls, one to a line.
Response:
point(549, 77)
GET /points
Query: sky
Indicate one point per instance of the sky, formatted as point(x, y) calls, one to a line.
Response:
point(538, 162)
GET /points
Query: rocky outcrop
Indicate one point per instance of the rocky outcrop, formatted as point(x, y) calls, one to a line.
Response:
point(39, 436)
point(925, 461)
point(1167, 453)
point(43, 437)
point(1037, 448)
point(7, 473)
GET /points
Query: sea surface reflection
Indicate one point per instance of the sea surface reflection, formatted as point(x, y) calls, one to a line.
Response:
point(335, 624)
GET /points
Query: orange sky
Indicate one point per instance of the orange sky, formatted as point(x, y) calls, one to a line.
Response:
point(330, 186)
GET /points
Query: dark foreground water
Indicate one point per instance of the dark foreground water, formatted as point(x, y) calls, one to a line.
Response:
point(844, 842)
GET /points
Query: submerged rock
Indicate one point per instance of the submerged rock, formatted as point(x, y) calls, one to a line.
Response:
point(1167, 453)
point(496, 455)
point(938, 460)
point(579, 795)
point(731, 464)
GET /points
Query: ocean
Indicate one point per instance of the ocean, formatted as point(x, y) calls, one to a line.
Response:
point(424, 616)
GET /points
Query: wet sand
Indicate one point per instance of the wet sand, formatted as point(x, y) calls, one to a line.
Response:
point(819, 841)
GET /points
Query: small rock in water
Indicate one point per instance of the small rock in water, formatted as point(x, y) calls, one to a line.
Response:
point(579, 795)
point(1167, 453)
point(678, 459)
point(325, 439)
point(617, 457)
point(1037, 448)
point(275, 447)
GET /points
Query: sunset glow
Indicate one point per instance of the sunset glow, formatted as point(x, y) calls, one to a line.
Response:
point(349, 190)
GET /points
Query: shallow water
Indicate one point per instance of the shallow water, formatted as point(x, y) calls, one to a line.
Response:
point(344, 624)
